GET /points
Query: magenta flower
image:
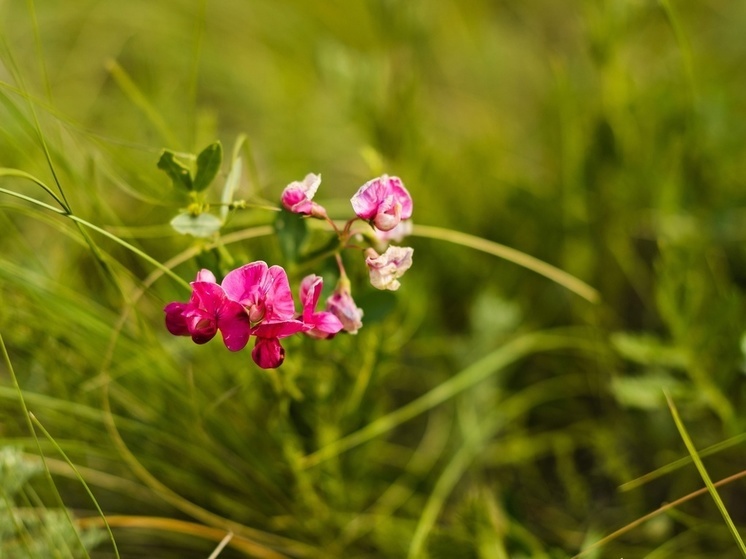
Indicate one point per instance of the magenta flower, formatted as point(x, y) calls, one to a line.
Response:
point(386, 269)
point(298, 196)
point(263, 291)
point(341, 305)
point(254, 300)
point(383, 201)
point(322, 324)
point(208, 311)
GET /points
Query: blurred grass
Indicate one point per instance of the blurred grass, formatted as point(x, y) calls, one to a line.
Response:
point(602, 137)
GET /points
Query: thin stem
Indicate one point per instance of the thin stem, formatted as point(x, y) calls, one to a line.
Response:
point(103, 232)
point(175, 526)
point(663, 508)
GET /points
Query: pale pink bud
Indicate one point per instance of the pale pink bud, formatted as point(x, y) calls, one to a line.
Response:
point(298, 196)
point(386, 269)
point(341, 305)
point(383, 201)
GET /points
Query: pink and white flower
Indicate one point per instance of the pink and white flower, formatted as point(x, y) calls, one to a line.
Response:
point(298, 197)
point(386, 269)
point(384, 202)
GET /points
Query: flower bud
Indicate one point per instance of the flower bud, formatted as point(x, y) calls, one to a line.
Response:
point(341, 305)
point(298, 197)
point(383, 201)
point(386, 269)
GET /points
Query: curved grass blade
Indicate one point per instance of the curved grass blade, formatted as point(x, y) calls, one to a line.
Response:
point(80, 479)
point(27, 415)
point(558, 276)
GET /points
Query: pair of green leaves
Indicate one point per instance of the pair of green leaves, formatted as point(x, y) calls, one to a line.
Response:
point(208, 165)
point(196, 221)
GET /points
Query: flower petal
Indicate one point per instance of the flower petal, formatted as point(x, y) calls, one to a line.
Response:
point(279, 329)
point(234, 325)
point(278, 297)
point(268, 353)
point(240, 285)
point(310, 291)
point(324, 325)
point(175, 321)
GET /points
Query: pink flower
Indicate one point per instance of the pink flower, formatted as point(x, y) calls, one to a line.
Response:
point(297, 196)
point(383, 201)
point(323, 324)
point(263, 291)
point(208, 311)
point(253, 300)
point(385, 269)
point(341, 305)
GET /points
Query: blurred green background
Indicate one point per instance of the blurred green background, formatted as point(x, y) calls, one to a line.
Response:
point(603, 137)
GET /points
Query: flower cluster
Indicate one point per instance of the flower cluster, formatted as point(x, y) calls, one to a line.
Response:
point(256, 300)
point(385, 204)
point(253, 300)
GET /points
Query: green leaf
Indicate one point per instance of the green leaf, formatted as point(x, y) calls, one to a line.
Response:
point(291, 231)
point(202, 225)
point(208, 165)
point(176, 170)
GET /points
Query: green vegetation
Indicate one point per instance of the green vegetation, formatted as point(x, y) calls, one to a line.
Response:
point(562, 366)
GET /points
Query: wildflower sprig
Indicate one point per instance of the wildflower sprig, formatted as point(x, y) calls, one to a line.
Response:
point(255, 300)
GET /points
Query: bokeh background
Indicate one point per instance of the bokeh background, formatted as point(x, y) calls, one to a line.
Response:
point(604, 137)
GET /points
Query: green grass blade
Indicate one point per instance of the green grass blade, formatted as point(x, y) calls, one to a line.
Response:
point(558, 276)
point(87, 224)
point(705, 476)
point(27, 415)
point(681, 462)
point(80, 479)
